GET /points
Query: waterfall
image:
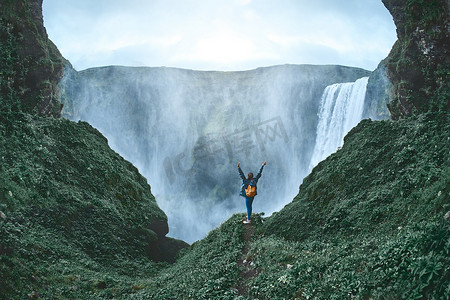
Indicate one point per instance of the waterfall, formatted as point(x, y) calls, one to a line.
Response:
point(341, 108)
point(186, 131)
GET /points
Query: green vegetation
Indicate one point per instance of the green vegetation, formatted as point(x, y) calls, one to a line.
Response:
point(385, 171)
point(72, 210)
point(208, 270)
point(77, 221)
point(419, 64)
point(30, 64)
point(369, 220)
point(408, 265)
point(11, 70)
point(368, 223)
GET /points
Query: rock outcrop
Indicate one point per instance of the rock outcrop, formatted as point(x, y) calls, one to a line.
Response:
point(65, 196)
point(419, 61)
point(377, 95)
point(32, 65)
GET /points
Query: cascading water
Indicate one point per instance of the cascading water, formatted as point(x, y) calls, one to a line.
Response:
point(341, 108)
point(187, 130)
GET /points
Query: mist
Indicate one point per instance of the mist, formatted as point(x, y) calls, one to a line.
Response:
point(186, 131)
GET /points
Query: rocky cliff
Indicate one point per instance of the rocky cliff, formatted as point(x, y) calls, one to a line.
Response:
point(31, 64)
point(79, 222)
point(377, 96)
point(67, 201)
point(419, 62)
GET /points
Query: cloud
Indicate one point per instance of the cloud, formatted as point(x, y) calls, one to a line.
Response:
point(242, 2)
point(219, 34)
point(286, 40)
point(224, 47)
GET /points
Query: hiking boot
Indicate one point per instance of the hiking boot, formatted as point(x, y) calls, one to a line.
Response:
point(247, 221)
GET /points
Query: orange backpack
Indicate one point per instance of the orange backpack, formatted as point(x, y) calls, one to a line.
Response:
point(250, 191)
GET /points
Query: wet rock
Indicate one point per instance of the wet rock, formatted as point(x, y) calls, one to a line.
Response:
point(418, 62)
point(39, 62)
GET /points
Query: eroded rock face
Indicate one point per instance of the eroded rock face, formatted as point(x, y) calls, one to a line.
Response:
point(122, 205)
point(377, 95)
point(419, 61)
point(33, 64)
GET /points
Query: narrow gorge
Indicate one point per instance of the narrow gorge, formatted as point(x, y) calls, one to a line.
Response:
point(101, 170)
point(186, 130)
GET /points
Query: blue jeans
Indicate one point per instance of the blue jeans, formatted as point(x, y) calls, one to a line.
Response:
point(248, 203)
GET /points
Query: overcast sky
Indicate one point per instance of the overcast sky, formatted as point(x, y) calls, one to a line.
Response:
point(220, 34)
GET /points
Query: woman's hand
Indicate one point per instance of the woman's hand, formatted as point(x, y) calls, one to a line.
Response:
point(264, 163)
point(239, 164)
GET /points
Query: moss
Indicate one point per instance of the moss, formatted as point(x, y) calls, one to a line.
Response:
point(78, 221)
point(381, 164)
point(419, 57)
point(32, 64)
point(424, 13)
point(208, 270)
point(67, 196)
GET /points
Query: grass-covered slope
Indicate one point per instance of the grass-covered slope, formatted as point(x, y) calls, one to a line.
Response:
point(76, 219)
point(387, 174)
point(208, 270)
point(369, 220)
point(368, 223)
point(72, 210)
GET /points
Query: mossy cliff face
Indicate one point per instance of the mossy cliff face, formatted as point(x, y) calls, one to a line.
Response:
point(67, 198)
point(79, 222)
point(387, 174)
point(368, 223)
point(419, 62)
point(31, 65)
point(72, 211)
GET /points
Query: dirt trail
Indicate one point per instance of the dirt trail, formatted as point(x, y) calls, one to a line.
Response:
point(245, 263)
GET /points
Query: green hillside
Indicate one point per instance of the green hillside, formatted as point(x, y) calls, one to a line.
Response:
point(372, 221)
point(75, 217)
point(369, 220)
point(72, 209)
point(368, 223)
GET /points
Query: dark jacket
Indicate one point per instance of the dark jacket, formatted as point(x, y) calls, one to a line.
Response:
point(246, 182)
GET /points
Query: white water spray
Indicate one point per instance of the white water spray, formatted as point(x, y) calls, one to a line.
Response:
point(186, 130)
point(341, 108)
